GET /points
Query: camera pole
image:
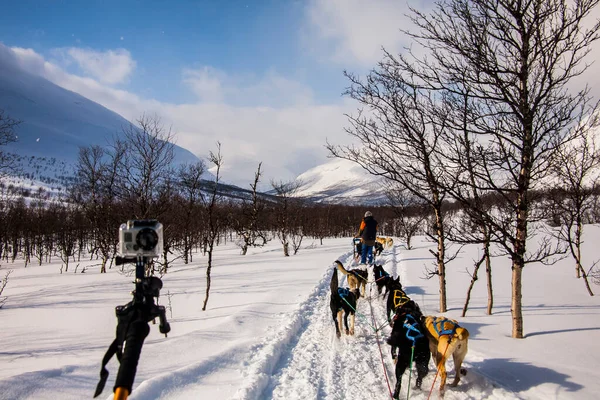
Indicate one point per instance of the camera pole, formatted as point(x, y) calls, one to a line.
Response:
point(132, 328)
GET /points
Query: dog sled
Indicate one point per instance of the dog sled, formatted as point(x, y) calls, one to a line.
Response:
point(357, 246)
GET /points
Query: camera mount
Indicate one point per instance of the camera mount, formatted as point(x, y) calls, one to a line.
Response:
point(132, 328)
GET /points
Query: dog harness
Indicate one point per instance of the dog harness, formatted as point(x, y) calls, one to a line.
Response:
point(412, 328)
point(356, 274)
point(400, 298)
point(381, 274)
point(343, 292)
point(439, 324)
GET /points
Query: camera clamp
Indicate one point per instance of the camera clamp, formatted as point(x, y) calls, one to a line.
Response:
point(132, 328)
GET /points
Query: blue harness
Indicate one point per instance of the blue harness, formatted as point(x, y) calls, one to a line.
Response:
point(440, 322)
point(343, 292)
point(382, 274)
point(412, 329)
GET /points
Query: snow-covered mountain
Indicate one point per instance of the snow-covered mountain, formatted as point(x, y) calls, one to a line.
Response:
point(341, 181)
point(55, 122)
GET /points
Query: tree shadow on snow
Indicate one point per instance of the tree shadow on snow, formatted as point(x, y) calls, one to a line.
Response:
point(414, 290)
point(520, 376)
point(561, 331)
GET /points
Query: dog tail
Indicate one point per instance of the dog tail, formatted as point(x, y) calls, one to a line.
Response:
point(334, 282)
point(462, 333)
point(341, 268)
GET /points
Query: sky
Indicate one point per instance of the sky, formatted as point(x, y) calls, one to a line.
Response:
point(267, 332)
point(263, 78)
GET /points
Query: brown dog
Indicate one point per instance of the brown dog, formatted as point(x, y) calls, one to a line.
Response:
point(446, 338)
point(386, 242)
point(357, 278)
point(389, 243)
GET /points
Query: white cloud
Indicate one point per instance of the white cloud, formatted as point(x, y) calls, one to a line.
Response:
point(110, 66)
point(354, 31)
point(272, 89)
point(289, 137)
point(205, 83)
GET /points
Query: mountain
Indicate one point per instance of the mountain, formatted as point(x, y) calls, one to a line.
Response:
point(341, 181)
point(55, 123)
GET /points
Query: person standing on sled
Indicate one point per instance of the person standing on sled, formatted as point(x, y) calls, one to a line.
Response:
point(367, 232)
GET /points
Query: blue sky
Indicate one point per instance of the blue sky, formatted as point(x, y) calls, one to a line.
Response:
point(238, 37)
point(263, 78)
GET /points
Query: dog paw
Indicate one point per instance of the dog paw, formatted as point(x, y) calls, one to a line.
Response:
point(347, 332)
point(338, 334)
point(463, 371)
point(352, 331)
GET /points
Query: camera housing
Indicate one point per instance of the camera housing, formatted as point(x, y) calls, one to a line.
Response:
point(141, 238)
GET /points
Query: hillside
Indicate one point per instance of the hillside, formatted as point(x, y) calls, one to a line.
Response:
point(341, 181)
point(55, 123)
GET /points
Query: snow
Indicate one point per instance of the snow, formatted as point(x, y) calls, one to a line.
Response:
point(339, 180)
point(268, 333)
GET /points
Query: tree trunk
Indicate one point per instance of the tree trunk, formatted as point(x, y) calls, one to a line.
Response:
point(286, 250)
point(440, 259)
point(516, 304)
point(488, 273)
point(578, 230)
point(518, 262)
point(473, 280)
point(580, 271)
point(208, 277)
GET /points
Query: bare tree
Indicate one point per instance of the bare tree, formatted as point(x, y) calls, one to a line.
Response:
point(212, 215)
point(99, 181)
point(7, 135)
point(410, 215)
point(283, 212)
point(150, 153)
point(298, 222)
point(190, 189)
point(577, 172)
point(3, 286)
point(398, 130)
point(248, 224)
point(515, 58)
point(462, 152)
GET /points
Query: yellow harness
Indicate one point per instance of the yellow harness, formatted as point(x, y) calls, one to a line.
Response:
point(400, 298)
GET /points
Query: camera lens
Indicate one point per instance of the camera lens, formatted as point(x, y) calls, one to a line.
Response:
point(147, 239)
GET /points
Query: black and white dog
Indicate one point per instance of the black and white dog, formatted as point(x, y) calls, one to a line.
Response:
point(408, 332)
point(343, 301)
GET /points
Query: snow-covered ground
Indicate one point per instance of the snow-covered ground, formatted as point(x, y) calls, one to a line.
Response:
point(268, 331)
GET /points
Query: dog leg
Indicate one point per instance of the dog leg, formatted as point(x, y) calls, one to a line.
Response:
point(352, 324)
point(458, 356)
point(346, 322)
point(398, 386)
point(401, 366)
point(422, 371)
point(441, 366)
point(339, 326)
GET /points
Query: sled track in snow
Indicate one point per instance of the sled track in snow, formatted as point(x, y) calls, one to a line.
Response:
point(303, 359)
